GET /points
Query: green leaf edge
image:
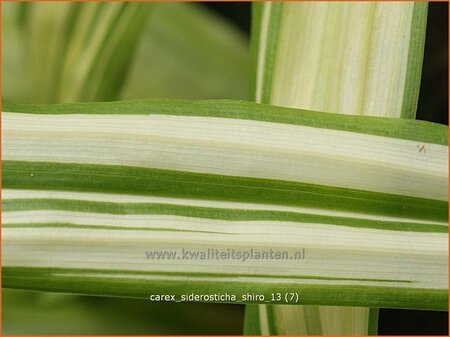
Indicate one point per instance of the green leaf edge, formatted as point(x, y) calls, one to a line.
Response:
point(420, 131)
point(82, 281)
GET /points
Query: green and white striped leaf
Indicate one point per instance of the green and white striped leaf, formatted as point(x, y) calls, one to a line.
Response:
point(165, 54)
point(309, 320)
point(89, 188)
point(80, 51)
point(351, 58)
point(174, 57)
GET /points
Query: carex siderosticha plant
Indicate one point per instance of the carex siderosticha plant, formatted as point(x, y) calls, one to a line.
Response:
point(128, 137)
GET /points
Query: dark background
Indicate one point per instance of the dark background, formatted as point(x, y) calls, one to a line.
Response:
point(433, 106)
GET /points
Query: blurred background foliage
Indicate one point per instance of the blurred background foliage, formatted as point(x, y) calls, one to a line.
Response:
point(66, 52)
point(41, 313)
point(63, 52)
